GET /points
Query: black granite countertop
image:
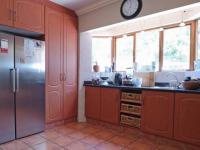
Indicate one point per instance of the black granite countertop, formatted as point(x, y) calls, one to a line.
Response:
point(154, 88)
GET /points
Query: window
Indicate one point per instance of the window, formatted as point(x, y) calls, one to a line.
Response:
point(176, 48)
point(124, 53)
point(198, 49)
point(147, 51)
point(102, 52)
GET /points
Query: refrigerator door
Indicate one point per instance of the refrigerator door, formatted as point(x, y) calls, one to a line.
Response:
point(30, 86)
point(7, 107)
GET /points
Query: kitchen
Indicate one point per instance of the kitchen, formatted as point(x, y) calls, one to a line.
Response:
point(74, 110)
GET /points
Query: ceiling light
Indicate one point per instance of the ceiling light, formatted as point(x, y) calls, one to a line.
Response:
point(182, 24)
point(125, 36)
point(142, 31)
point(161, 29)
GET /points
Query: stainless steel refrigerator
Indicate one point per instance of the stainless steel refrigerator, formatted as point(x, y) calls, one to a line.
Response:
point(22, 86)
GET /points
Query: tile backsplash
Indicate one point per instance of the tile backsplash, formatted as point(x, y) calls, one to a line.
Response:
point(166, 77)
point(161, 76)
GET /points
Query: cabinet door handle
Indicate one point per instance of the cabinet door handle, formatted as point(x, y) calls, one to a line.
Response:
point(13, 73)
point(65, 78)
point(61, 78)
point(10, 14)
point(17, 79)
point(14, 16)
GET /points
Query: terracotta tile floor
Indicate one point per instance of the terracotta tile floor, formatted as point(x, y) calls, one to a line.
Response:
point(85, 136)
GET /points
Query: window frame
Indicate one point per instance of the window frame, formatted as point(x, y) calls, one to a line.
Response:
point(193, 44)
point(115, 49)
point(112, 40)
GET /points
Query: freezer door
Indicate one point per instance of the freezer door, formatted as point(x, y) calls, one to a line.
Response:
point(30, 86)
point(7, 115)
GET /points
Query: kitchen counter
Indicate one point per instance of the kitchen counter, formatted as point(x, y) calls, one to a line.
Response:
point(154, 88)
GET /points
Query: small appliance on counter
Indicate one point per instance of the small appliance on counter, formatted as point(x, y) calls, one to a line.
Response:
point(128, 81)
point(118, 79)
point(104, 76)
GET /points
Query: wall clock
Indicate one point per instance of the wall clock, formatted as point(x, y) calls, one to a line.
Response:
point(130, 8)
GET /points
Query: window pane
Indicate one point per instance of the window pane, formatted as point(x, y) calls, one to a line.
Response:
point(101, 52)
point(124, 53)
point(147, 51)
point(198, 52)
point(177, 48)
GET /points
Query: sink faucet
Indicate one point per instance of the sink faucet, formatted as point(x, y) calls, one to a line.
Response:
point(173, 84)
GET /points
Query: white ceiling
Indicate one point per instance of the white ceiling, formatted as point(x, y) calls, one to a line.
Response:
point(83, 6)
point(75, 4)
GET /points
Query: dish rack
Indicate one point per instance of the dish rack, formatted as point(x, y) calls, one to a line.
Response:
point(130, 110)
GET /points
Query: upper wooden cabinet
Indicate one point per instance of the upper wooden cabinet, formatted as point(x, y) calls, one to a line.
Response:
point(54, 65)
point(187, 118)
point(157, 112)
point(23, 14)
point(93, 102)
point(6, 14)
point(110, 105)
point(70, 67)
point(70, 50)
point(29, 15)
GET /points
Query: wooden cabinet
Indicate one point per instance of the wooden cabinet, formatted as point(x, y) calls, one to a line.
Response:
point(23, 14)
point(187, 118)
point(102, 104)
point(29, 15)
point(70, 67)
point(110, 105)
point(6, 16)
point(157, 113)
point(93, 102)
point(54, 65)
point(61, 66)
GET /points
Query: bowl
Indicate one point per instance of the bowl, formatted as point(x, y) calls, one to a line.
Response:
point(191, 85)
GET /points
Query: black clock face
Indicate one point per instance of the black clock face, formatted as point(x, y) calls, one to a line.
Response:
point(131, 8)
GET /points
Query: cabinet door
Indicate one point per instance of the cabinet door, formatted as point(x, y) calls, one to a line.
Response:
point(54, 61)
point(29, 15)
point(70, 67)
point(110, 105)
point(187, 118)
point(92, 102)
point(6, 15)
point(157, 113)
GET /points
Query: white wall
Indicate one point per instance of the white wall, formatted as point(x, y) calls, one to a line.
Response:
point(85, 65)
point(111, 14)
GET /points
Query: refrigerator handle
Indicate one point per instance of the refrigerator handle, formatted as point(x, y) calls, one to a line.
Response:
point(17, 79)
point(13, 73)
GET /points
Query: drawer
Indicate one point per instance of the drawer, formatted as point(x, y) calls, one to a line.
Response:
point(132, 109)
point(131, 121)
point(131, 97)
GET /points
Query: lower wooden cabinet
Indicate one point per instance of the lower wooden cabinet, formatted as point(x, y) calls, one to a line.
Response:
point(54, 106)
point(93, 102)
point(187, 118)
point(157, 113)
point(70, 102)
point(110, 105)
point(102, 104)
